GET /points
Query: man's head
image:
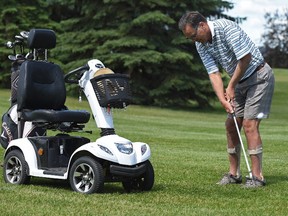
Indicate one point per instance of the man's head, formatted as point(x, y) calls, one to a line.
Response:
point(194, 26)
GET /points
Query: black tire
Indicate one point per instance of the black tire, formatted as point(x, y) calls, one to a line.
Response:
point(15, 168)
point(86, 176)
point(144, 182)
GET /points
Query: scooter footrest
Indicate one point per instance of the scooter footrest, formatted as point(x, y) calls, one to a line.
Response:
point(70, 127)
point(56, 171)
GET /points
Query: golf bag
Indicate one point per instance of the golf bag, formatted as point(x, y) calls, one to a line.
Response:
point(9, 130)
point(9, 126)
point(15, 68)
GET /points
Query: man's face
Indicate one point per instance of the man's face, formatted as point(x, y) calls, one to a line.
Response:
point(195, 34)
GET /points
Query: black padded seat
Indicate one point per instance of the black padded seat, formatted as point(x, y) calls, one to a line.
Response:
point(56, 116)
point(42, 94)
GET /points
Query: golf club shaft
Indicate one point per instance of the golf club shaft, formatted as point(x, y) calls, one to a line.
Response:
point(242, 146)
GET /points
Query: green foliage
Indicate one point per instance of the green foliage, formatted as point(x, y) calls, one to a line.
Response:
point(275, 38)
point(140, 38)
point(16, 16)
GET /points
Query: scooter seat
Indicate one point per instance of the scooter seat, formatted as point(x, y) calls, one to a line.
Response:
point(56, 116)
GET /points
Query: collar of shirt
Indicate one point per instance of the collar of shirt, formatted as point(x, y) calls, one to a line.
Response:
point(211, 27)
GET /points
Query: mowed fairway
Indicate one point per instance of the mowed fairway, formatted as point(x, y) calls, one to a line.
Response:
point(189, 156)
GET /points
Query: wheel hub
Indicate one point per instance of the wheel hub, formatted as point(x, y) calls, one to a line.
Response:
point(86, 177)
point(16, 170)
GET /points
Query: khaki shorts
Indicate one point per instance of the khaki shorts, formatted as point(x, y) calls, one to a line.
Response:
point(253, 97)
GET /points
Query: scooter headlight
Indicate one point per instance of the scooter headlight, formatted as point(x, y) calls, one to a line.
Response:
point(125, 148)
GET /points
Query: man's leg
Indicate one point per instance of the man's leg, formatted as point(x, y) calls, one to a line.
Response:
point(234, 151)
point(259, 91)
point(233, 146)
point(251, 128)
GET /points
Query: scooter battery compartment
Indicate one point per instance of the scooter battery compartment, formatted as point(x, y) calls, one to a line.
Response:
point(54, 152)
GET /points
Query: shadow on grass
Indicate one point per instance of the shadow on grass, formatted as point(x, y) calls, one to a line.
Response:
point(271, 180)
point(216, 109)
point(109, 188)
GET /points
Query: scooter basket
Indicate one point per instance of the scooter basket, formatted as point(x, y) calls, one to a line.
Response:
point(112, 90)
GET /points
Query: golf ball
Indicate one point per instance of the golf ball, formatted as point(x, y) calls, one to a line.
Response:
point(260, 115)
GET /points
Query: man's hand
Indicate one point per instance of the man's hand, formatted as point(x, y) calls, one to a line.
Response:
point(228, 106)
point(226, 97)
point(241, 67)
point(229, 94)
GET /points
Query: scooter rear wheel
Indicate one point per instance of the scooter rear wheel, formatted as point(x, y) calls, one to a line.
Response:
point(15, 168)
point(86, 176)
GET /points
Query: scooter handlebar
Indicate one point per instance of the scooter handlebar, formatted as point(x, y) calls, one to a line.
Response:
point(74, 75)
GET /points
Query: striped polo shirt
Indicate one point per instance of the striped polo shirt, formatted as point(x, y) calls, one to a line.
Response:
point(229, 44)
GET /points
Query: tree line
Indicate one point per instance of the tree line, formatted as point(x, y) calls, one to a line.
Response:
point(139, 38)
point(275, 39)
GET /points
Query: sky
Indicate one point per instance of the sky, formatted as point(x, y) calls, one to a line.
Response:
point(255, 10)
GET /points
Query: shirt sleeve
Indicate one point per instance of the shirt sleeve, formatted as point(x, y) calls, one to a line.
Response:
point(237, 40)
point(207, 59)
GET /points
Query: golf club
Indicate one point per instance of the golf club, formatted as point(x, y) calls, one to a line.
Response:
point(24, 34)
point(18, 37)
point(242, 145)
point(12, 57)
point(10, 44)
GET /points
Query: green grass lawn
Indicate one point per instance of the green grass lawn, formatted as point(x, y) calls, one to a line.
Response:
point(189, 157)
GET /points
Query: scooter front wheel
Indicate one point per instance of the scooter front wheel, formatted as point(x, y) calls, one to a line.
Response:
point(15, 168)
point(86, 176)
point(144, 182)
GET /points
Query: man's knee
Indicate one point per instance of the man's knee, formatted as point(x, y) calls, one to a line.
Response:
point(250, 126)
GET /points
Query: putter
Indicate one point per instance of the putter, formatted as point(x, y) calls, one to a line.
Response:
point(242, 145)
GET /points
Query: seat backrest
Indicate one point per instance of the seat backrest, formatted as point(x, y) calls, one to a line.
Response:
point(40, 86)
point(41, 39)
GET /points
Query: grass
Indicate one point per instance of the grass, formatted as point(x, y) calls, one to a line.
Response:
point(189, 156)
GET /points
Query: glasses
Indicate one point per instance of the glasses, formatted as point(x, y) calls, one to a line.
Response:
point(193, 36)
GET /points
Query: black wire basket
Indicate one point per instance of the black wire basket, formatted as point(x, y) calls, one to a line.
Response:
point(112, 90)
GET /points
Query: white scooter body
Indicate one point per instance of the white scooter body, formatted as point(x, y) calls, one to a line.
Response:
point(113, 149)
point(102, 149)
point(103, 118)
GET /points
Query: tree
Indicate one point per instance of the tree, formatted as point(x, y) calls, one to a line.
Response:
point(16, 16)
point(275, 39)
point(140, 38)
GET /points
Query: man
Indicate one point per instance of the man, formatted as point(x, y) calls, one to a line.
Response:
point(248, 93)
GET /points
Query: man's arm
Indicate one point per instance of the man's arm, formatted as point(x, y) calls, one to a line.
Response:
point(218, 87)
point(241, 67)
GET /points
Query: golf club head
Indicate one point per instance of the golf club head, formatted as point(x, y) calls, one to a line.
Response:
point(10, 44)
point(24, 34)
point(19, 56)
point(18, 42)
point(12, 58)
point(18, 37)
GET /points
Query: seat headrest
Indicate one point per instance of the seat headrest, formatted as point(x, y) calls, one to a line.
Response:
point(41, 38)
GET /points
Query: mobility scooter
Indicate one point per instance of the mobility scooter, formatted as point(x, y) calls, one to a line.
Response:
point(41, 96)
